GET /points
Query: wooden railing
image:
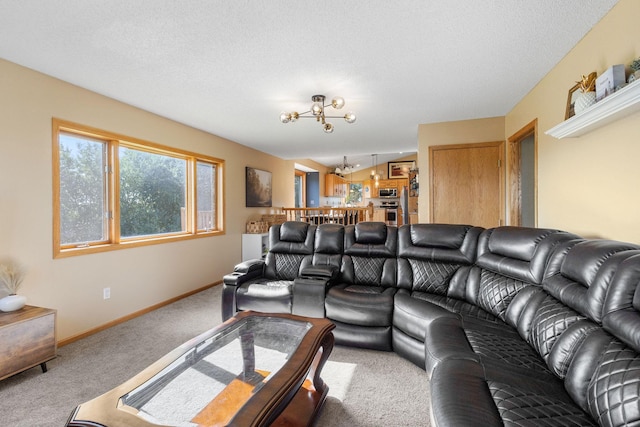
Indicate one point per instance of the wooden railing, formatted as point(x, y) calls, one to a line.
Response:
point(319, 216)
point(205, 219)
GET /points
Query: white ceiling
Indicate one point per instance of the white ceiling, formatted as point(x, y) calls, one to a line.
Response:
point(231, 67)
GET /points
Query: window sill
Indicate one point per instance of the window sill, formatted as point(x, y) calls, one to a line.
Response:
point(86, 250)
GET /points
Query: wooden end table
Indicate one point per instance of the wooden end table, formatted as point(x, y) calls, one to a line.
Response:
point(255, 369)
point(28, 338)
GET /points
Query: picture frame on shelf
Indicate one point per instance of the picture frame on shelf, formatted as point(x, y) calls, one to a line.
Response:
point(258, 188)
point(571, 101)
point(399, 170)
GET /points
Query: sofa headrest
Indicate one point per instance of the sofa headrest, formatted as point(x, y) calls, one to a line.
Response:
point(439, 242)
point(521, 253)
point(293, 231)
point(371, 233)
point(438, 235)
point(292, 237)
point(517, 242)
point(583, 261)
point(622, 305)
point(329, 239)
point(582, 274)
point(371, 239)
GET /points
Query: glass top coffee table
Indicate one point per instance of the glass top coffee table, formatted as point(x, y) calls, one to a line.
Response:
point(255, 369)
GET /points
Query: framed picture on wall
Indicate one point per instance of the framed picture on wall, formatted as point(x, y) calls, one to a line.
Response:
point(258, 188)
point(399, 170)
point(571, 101)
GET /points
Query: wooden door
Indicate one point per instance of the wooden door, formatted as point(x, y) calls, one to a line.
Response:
point(467, 184)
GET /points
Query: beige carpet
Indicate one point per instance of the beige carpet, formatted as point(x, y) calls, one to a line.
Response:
point(366, 388)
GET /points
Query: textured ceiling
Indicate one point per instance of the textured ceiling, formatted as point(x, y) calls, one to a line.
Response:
point(231, 67)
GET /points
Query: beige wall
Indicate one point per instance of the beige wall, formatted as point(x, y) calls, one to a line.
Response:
point(448, 133)
point(138, 277)
point(588, 185)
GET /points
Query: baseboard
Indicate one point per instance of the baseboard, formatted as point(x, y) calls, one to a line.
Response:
point(115, 322)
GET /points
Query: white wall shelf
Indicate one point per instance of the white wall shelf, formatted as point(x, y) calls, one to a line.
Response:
point(620, 104)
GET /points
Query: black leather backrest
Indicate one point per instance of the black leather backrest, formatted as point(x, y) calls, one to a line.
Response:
point(581, 277)
point(370, 250)
point(329, 245)
point(372, 239)
point(290, 246)
point(622, 305)
point(521, 253)
point(430, 256)
point(439, 242)
point(509, 260)
point(292, 237)
point(604, 375)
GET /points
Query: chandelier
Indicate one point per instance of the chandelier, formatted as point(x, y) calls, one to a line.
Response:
point(345, 167)
point(318, 112)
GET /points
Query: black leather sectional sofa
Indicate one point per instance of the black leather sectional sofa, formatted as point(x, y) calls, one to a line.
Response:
point(513, 326)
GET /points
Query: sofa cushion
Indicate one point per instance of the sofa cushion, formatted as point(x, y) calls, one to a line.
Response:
point(264, 295)
point(466, 393)
point(360, 305)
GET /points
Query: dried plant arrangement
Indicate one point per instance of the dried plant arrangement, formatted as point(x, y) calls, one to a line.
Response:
point(11, 276)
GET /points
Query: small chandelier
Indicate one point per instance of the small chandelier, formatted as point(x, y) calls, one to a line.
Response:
point(345, 167)
point(318, 112)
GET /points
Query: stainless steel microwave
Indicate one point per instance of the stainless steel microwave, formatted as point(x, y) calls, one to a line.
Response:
point(387, 193)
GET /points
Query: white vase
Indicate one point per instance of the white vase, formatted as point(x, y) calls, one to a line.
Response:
point(584, 101)
point(12, 302)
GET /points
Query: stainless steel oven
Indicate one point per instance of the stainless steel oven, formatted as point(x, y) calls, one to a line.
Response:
point(390, 212)
point(391, 216)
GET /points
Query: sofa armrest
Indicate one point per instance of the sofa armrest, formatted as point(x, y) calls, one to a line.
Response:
point(244, 271)
point(460, 396)
point(308, 296)
point(445, 339)
point(329, 272)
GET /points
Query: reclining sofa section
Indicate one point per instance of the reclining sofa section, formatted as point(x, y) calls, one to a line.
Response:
point(514, 326)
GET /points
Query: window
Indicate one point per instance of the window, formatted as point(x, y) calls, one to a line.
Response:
point(112, 191)
point(355, 194)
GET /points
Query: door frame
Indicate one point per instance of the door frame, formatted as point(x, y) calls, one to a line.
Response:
point(514, 172)
point(303, 186)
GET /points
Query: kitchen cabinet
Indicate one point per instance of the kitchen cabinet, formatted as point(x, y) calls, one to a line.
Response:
point(394, 183)
point(379, 215)
point(388, 183)
point(335, 186)
point(369, 189)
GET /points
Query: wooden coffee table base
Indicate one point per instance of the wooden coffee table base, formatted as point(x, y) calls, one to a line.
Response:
point(291, 395)
point(307, 403)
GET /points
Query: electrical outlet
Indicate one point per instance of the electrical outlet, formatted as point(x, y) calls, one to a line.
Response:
point(106, 293)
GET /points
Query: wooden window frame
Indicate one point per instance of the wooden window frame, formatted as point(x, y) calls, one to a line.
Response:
point(114, 241)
